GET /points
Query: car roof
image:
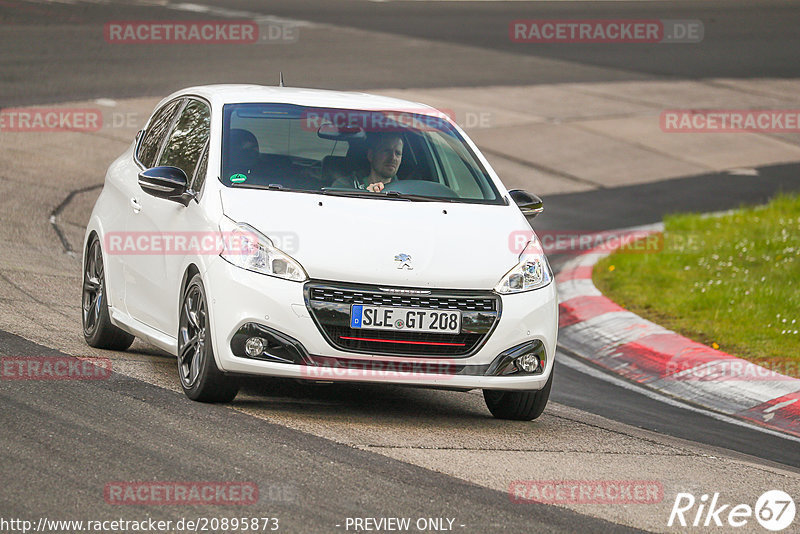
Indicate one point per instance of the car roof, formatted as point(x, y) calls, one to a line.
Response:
point(222, 94)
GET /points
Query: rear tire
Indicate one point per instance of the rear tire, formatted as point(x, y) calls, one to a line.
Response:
point(518, 405)
point(98, 331)
point(200, 377)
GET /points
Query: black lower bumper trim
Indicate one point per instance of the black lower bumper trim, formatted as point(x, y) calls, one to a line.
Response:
point(281, 348)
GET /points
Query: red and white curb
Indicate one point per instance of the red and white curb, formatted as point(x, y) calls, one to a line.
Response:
point(600, 331)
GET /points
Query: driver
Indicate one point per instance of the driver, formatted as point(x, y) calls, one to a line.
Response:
point(384, 153)
point(244, 151)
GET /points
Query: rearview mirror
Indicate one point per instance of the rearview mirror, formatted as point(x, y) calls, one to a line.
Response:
point(166, 182)
point(529, 204)
point(340, 133)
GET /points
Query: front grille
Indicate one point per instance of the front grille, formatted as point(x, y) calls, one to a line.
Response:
point(372, 298)
point(329, 305)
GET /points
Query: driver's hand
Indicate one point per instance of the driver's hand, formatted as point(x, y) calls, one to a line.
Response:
point(377, 187)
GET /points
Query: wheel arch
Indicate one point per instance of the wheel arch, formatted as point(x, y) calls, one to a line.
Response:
point(95, 231)
point(191, 270)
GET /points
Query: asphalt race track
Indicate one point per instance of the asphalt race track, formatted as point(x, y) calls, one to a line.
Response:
point(322, 454)
point(54, 53)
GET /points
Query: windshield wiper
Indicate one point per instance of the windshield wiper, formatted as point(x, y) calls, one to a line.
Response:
point(395, 195)
point(357, 193)
point(270, 187)
point(420, 198)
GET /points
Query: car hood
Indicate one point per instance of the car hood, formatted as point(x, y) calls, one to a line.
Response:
point(450, 245)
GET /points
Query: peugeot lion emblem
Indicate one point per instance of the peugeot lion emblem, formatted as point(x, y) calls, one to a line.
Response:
point(405, 261)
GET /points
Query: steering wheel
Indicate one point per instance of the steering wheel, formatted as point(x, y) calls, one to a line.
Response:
point(421, 187)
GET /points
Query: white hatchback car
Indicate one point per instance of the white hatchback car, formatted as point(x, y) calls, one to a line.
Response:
point(324, 236)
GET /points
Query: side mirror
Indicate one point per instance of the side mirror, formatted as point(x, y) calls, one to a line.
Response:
point(169, 183)
point(529, 204)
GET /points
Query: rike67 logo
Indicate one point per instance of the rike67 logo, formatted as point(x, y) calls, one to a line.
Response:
point(774, 510)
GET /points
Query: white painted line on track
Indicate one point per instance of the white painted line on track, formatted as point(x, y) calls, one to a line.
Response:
point(586, 369)
point(236, 14)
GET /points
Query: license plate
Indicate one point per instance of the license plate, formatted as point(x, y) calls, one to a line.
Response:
point(405, 319)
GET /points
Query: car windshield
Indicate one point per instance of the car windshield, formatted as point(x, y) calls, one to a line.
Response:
point(337, 151)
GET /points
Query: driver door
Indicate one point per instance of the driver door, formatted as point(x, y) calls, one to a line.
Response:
point(154, 273)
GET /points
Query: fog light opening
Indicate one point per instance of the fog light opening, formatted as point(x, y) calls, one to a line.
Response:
point(254, 346)
point(528, 362)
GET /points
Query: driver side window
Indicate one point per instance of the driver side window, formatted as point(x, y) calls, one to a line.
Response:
point(187, 140)
point(196, 184)
point(157, 129)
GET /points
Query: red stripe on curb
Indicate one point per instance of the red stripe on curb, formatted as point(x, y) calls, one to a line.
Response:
point(662, 355)
point(680, 353)
point(579, 309)
point(581, 272)
point(782, 413)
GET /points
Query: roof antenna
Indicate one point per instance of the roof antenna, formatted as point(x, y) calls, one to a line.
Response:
point(280, 83)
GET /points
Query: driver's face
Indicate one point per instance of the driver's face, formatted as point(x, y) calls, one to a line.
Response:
point(386, 157)
point(248, 152)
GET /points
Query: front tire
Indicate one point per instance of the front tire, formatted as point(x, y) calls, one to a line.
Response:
point(518, 405)
point(200, 377)
point(98, 331)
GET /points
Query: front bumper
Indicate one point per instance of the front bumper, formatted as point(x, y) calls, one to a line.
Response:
point(240, 298)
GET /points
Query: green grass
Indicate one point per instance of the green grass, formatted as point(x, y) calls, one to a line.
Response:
point(732, 281)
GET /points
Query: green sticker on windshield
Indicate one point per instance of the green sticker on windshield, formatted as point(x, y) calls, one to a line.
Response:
point(238, 178)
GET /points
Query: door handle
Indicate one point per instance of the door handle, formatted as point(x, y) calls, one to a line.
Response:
point(135, 205)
